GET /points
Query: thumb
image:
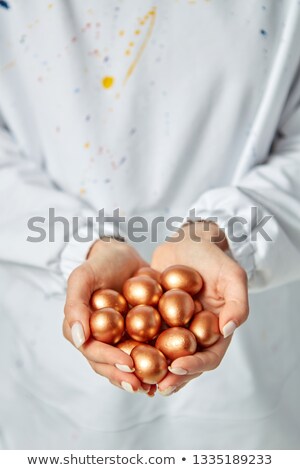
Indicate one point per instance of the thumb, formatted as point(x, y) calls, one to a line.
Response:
point(77, 310)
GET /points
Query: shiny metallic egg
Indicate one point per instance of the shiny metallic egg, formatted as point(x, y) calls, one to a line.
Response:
point(107, 325)
point(128, 345)
point(181, 277)
point(143, 323)
point(176, 307)
point(147, 271)
point(150, 364)
point(205, 326)
point(142, 290)
point(176, 342)
point(103, 298)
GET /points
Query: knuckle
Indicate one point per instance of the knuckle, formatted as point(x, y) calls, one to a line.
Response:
point(216, 360)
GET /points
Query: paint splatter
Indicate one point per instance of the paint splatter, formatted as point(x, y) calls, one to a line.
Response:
point(108, 82)
point(4, 5)
point(263, 32)
point(76, 90)
point(121, 33)
point(88, 117)
point(151, 15)
point(82, 191)
point(50, 6)
point(87, 145)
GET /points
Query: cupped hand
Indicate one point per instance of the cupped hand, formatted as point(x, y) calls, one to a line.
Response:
point(224, 292)
point(109, 265)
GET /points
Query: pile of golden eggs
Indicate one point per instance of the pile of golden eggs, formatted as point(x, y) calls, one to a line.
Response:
point(156, 320)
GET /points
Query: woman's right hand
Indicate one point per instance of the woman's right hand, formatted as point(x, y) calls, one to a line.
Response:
point(108, 265)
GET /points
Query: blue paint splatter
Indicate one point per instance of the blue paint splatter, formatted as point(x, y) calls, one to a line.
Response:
point(263, 32)
point(76, 90)
point(123, 160)
point(4, 5)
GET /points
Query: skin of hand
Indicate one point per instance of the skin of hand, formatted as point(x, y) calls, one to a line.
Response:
point(224, 292)
point(109, 264)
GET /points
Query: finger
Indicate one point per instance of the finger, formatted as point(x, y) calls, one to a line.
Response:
point(128, 382)
point(203, 361)
point(95, 351)
point(236, 308)
point(171, 383)
point(77, 310)
point(152, 391)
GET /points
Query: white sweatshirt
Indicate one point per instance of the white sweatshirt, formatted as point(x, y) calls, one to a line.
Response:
point(153, 108)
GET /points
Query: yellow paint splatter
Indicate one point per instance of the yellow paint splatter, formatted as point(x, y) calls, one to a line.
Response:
point(108, 82)
point(82, 191)
point(50, 5)
point(131, 44)
point(8, 66)
point(152, 16)
point(121, 33)
point(128, 52)
point(87, 145)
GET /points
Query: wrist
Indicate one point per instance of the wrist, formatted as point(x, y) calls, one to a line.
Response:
point(206, 231)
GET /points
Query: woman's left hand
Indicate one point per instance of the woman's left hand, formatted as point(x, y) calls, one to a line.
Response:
point(224, 293)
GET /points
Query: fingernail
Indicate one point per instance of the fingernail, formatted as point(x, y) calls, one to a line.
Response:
point(77, 334)
point(168, 391)
point(229, 328)
point(124, 368)
point(177, 370)
point(127, 387)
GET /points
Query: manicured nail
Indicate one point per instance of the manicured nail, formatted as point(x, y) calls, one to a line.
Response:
point(177, 370)
point(124, 368)
point(77, 334)
point(127, 387)
point(167, 391)
point(229, 328)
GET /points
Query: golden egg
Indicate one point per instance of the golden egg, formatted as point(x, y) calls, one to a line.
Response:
point(205, 326)
point(176, 342)
point(142, 290)
point(128, 345)
point(181, 277)
point(107, 325)
point(150, 364)
point(103, 298)
point(146, 271)
point(143, 323)
point(198, 306)
point(176, 307)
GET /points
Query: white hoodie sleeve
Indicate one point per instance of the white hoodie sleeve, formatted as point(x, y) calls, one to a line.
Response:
point(26, 191)
point(274, 189)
